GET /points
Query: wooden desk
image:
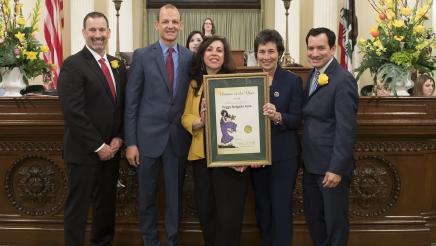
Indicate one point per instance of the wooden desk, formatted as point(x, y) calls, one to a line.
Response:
point(392, 197)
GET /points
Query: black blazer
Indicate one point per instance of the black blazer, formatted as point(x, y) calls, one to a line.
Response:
point(329, 116)
point(92, 117)
point(286, 94)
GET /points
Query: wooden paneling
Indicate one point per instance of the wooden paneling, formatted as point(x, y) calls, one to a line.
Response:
point(392, 196)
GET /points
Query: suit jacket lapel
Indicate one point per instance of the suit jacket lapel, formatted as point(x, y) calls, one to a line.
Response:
point(159, 59)
point(116, 74)
point(95, 67)
point(308, 85)
point(180, 71)
point(328, 72)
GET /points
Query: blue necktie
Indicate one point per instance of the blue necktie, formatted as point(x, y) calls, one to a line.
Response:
point(314, 84)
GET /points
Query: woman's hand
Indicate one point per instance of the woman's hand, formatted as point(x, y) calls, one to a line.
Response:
point(256, 166)
point(269, 110)
point(198, 124)
point(203, 110)
point(239, 169)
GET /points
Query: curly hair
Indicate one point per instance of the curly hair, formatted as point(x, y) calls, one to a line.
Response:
point(266, 36)
point(199, 67)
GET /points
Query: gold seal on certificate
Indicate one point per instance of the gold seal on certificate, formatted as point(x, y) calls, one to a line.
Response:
point(248, 129)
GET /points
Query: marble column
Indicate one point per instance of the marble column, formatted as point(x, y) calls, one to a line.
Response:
point(326, 14)
point(78, 10)
point(293, 26)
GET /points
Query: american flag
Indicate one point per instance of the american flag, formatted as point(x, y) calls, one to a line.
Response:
point(53, 24)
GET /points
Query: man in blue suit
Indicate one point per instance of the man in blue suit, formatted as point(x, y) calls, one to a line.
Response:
point(329, 115)
point(155, 97)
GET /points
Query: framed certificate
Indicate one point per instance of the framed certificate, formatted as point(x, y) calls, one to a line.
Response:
point(237, 132)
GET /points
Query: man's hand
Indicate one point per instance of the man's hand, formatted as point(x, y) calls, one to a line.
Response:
point(116, 144)
point(331, 180)
point(132, 155)
point(105, 153)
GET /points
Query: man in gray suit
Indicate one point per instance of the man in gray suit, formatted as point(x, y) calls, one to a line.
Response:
point(155, 97)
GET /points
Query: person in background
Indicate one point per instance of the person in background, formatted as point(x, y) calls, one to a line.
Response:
point(195, 38)
point(219, 192)
point(330, 125)
point(274, 185)
point(424, 86)
point(208, 27)
point(155, 139)
point(91, 94)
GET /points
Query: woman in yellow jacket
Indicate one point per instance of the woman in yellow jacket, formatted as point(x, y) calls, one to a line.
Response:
point(219, 192)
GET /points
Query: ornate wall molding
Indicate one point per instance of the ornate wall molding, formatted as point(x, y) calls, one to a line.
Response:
point(35, 185)
point(375, 187)
point(27, 146)
point(127, 190)
point(394, 146)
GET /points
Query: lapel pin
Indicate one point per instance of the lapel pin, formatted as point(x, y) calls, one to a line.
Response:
point(276, 94)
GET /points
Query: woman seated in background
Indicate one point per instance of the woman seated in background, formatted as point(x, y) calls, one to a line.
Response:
point(424, 86)
point(195, 38)
point(219, 193)
point(274, 185)
point(208, 27)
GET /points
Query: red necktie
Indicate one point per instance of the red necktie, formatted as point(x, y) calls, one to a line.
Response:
point(108, 76)
point(170, 68)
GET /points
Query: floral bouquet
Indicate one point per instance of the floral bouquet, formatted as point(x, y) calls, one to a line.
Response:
point(18, 46)
point(399, 43)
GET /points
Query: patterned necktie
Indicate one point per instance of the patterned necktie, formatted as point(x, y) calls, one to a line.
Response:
point(314, 84)
point(108, 76)
point(170, 68)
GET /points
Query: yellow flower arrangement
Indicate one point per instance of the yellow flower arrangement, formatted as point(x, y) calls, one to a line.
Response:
point(399, 43)
point(18, 46)
point(115, 64)
point(323, 79)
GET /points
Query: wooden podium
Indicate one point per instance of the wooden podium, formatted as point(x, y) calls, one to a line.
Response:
point(392, 196)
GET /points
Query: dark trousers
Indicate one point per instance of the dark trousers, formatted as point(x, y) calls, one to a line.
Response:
point(148, 177)
point(273, 189)
point(326, 210)
point(91, 184)
point(220, 199)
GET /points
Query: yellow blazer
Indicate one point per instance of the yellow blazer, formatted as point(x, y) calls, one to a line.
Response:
point(191, 114)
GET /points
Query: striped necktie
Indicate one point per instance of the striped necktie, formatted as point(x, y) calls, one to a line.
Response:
point(314, 84)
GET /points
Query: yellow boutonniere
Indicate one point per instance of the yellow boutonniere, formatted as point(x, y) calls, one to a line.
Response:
point(323, 79)
point(115, 64)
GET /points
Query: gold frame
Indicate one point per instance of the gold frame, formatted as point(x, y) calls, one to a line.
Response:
point(214, 158)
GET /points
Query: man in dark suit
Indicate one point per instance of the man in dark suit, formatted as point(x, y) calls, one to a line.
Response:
point(329, 116)
point(91, 88)
point(155, 138)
